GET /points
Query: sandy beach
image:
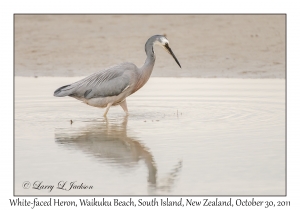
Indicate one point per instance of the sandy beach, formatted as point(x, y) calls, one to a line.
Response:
point(207, 46)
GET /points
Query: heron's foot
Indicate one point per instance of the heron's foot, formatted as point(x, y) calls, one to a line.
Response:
point(105, 120)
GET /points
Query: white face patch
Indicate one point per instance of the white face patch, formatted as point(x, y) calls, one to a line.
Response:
point(161, 42)
point(164, 40)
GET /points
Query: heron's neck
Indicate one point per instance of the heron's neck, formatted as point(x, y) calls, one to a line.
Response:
point(150, 60)
point(146, 69)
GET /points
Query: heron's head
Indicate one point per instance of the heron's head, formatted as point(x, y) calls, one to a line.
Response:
point(162, 41)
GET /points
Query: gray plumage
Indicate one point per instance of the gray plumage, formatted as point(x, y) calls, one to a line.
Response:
point(111, 86)
point(100, 84)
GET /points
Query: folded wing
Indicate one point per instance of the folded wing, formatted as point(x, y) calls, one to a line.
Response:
point(109, 82)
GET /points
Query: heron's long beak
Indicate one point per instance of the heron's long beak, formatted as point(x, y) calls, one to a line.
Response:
point(171, 52)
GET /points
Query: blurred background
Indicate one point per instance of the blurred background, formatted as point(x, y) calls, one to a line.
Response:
point(207, 46)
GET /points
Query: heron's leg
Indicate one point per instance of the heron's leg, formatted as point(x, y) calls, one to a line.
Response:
point(124, 106)
point(107, 108)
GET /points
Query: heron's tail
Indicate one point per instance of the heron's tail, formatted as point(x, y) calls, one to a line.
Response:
point(63, 91)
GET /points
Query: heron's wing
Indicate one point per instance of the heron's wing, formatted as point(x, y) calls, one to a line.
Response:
point(109, 82)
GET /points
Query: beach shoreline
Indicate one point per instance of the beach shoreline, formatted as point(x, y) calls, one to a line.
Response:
point(207, 46)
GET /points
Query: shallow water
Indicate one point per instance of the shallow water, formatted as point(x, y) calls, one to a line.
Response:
point(184, 136)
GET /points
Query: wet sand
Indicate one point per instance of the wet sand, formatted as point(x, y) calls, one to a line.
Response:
point(184, 136)
point(209, 46)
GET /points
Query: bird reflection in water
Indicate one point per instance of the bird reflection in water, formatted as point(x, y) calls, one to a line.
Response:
point(108, 141)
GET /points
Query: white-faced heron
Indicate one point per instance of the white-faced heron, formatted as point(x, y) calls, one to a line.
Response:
point(111, 86)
